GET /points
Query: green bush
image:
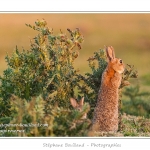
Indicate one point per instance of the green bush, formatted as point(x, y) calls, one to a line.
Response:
point(40, 79)
point(32, 120)
point(136, 102)
point(46, 69)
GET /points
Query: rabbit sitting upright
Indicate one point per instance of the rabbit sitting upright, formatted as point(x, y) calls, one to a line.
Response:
point(106, 110)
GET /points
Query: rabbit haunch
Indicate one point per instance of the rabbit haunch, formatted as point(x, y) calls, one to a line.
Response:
point(106, 110)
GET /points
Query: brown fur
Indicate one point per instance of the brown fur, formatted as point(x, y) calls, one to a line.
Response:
point(78, 105)
point(106, 110)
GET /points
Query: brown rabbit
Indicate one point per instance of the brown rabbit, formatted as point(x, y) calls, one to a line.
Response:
point(106, 110)
point(78, 106)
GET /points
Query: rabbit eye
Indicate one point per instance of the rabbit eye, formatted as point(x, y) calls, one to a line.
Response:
point(120, 61)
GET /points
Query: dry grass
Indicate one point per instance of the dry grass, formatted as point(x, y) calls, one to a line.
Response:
point(132, 126)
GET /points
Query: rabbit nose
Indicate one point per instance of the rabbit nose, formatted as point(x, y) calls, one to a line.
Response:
point(120, 61)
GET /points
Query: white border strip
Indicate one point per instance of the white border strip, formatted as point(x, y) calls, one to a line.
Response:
point(74, 5)
point(70, 143)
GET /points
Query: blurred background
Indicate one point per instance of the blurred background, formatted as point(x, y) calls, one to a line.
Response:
point(129, 34)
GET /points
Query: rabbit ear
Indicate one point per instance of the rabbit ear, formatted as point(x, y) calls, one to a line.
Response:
point(110, 53)
point(81, 101)
point(73, 102)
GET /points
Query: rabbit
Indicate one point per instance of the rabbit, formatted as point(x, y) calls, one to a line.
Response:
point(105, 117)
point(78, 105)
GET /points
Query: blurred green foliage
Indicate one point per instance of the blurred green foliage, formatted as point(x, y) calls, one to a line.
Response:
point(136, 102)
point(31, 120)
point(146, 79)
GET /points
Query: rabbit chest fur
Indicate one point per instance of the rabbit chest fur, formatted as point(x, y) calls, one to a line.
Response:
point(106, 111)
